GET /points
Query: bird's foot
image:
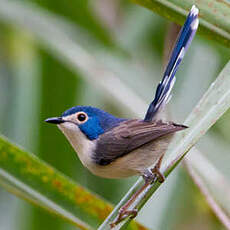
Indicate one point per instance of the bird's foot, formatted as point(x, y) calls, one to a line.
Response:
point(160, 176)
point(124, 213)
point(151, 175)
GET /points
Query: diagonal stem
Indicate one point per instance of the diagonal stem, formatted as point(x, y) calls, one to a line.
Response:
point(210, 108)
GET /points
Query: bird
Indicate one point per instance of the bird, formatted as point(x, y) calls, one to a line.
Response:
point(113, 147)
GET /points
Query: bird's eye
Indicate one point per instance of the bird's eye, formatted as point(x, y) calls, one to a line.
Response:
point(82, 117)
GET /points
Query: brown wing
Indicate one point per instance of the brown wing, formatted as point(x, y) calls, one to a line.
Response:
point(128, 136)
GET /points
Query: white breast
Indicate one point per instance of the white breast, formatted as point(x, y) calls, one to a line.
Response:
point(85, 150)
point(81, 144)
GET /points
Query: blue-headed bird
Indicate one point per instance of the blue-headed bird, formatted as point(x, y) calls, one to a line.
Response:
point(113, 147)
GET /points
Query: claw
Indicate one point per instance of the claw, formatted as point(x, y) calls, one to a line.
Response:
point(150, 175)
point(124, 214)
point(160, 176)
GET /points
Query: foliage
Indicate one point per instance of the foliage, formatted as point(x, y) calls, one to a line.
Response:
point(85, 52)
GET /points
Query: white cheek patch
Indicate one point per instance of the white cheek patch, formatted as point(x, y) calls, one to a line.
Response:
point(68, 127)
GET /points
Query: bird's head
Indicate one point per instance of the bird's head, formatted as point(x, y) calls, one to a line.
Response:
point(90, 121)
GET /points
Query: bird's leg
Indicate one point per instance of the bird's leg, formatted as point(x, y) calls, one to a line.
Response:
point(149, 177)
point(156, 170)
point(124, 212)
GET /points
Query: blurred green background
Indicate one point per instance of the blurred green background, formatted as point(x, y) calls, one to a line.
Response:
point(38, 81)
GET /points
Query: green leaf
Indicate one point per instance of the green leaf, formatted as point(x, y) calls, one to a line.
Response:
point(30, 178)
point(214, 15)
point(58, 42)
point(26, 176)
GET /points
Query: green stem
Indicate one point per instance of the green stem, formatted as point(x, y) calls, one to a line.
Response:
point(210, 108)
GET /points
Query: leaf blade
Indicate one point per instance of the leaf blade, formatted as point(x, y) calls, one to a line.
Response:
point(214, 17)
point(48, 186)
point(214, 188)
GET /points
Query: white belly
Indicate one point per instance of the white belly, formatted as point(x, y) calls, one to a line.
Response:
point(135, 162)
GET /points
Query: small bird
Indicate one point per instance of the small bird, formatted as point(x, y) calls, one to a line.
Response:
point(113, 147)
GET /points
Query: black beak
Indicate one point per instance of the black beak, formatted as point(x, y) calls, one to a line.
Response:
point(55, 120)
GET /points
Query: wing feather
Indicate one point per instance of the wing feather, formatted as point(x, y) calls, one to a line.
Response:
point(128, 136)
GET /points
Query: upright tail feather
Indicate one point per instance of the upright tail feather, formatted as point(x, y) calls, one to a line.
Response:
point(163, 92)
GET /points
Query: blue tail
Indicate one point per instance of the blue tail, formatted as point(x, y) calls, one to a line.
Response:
point(162, 95)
